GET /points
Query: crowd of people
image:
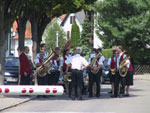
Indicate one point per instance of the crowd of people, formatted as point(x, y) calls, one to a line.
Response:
point(47, 68)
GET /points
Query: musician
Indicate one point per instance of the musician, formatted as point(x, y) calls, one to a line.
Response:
point(95, 77)
point(119, 81)
point(129, 76)
point(112, 64)
point(44, 49)
point(66, 69)
point(78, 63)
point(56, 67)
point(39, 61)
point(25, 67)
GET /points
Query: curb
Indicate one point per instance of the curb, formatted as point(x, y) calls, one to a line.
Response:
point(17, 103)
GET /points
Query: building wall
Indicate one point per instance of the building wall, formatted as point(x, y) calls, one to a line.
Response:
point(67, 26)
point(28, 42)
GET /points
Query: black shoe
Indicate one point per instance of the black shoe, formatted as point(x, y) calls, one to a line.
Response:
point(44, 96)
point(97, 95)
point(39, 96)
point(126, 95)
point(90, 96)
point(113, 96)
point(120, 96)
point(73, 98)
point(110, 92)
point(80, 98)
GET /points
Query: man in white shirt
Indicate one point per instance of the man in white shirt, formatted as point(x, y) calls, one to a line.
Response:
point(78, 63)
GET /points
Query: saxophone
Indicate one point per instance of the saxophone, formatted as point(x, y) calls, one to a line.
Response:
point(93, 63)
point(123, 71)
point(43, 70)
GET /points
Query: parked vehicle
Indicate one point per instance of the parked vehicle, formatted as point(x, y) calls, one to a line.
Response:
point(11, 70)
point(105, 73)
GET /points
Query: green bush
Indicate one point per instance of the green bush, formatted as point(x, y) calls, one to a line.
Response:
point(107, 53)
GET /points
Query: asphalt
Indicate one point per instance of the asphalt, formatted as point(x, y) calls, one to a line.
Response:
point(11, 101)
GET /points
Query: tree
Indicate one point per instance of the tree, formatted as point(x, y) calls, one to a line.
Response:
point(86, 35)
point(75, 35)
point(21, 21)
point(126, 23)
point(9, 11)
point(50, 35)
point(51, 8)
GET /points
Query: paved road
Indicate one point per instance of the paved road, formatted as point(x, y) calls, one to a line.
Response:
point(138, 102)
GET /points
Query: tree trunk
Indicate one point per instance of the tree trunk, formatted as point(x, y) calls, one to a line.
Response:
point(21, 33)
point(3, 42)
point(44, 20)
point(21, 21)
point(34, 28)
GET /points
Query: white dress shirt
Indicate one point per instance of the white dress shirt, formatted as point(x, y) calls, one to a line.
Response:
point(109, 61)
point(118, 59)
point(46, 54)
point(101, 60)
point(77, 61)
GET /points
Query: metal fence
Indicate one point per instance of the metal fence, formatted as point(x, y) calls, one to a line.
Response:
point(142, 69)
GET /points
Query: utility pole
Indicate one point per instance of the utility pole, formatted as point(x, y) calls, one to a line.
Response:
point(56, 38)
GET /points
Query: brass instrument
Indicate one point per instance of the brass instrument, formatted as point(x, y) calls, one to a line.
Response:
point(67, 77)
point(123, 71)
point(93, 62)
point(113, 71)
point(44, 69)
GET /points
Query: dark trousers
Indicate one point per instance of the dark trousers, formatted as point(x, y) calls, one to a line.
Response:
point(25, 80)
point(42, 80)
point(53, 77)
point(118, 79)
point(77, 83)
point(94, 78)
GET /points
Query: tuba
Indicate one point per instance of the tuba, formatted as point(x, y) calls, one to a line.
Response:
point(93, 63)
point(43, 70)
point(123, 71)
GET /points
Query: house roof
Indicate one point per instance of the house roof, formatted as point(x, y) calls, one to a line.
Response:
point(63, 16)
point(79, 15)
point(64, 20)
point(28, 33)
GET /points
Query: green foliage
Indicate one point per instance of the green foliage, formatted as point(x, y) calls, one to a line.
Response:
point(50, 34)
point(107, 53)
point(85, 36)
point(75, 35)
point(126, 23)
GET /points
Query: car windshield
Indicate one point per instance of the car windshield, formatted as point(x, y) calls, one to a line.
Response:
point(12, 61)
